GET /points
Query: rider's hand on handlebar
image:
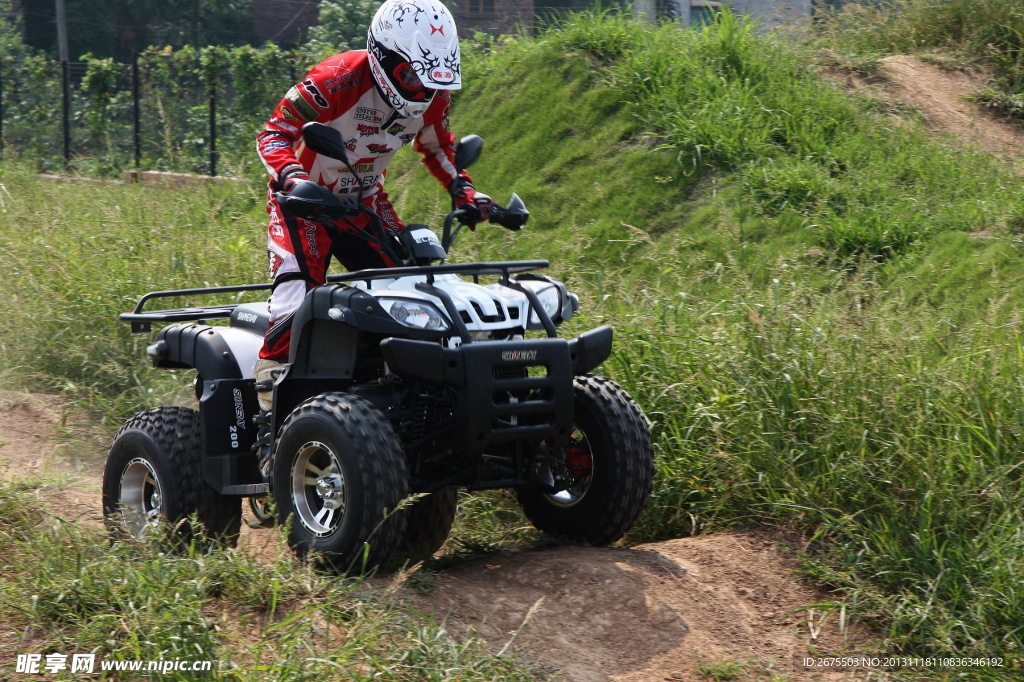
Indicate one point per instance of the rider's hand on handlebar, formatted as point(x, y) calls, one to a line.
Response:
point(467, 198)
point(292, 177)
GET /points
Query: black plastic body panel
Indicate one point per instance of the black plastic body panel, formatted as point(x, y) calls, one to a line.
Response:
point(227, 408)
point(194, 345)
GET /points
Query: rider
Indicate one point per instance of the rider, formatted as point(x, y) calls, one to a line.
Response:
point(394, 92)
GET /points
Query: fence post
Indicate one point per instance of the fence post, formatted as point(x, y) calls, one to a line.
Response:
point(136, 117)
point(66, 110)
point(213, 128)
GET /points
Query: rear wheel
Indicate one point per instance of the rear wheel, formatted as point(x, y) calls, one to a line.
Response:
point(338, 475)
point(154, 474)
point(605, 471)
point(262, 512)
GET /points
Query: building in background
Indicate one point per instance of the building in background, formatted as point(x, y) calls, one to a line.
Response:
point(698, 12)
point(126, 26)
point(285, 22)
point(510, 16)
point(504, 17)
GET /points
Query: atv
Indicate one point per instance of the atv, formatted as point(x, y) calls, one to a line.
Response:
point(403, 385)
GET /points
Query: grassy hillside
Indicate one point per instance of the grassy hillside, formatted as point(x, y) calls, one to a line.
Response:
point(818, 308)
point(815, 307)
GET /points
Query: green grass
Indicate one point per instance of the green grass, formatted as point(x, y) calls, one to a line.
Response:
point(67, 589)
point(816, 308)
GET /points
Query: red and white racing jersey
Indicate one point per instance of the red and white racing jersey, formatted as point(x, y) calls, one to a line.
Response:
point(340, 92)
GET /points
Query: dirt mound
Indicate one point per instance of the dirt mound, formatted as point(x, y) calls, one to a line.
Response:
point(677, 610)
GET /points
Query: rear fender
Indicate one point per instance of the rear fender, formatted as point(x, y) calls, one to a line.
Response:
point(197, 346)
point(223, 358)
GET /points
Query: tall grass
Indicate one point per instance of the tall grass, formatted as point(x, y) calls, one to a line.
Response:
point(77, 255)
point(892, 443)
point(827, 341)
point(68, 590)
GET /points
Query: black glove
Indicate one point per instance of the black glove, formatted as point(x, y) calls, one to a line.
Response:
point(291, 176)
point(467, 197)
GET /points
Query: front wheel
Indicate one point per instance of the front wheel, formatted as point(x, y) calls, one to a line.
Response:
point(339, 473)
point(428, 523)
point(154, 474)
point(605, 471)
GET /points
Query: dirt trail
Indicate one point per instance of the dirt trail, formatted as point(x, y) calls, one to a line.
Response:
point(652, 612)
point(941, 97)
point(697, 608)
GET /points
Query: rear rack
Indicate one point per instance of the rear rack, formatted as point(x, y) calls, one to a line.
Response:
point(142, 322)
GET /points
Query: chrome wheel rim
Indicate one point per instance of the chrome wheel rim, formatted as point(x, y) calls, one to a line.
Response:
point(318, 488)
point(577, 471)
point(141, 498)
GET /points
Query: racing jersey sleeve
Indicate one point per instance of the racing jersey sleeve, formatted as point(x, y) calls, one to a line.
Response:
point(330, 88)
point(435, 141)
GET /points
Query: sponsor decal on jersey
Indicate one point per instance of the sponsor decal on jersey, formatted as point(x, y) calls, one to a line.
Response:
point(313, 247)
point(379, 149)
point(288, 113)
point(369, 115)
point(347, 183)
point(274, 262)
point(276, 228)
point(309, 85)
point(283, 124)
point(274, 144)
point(366, 130)
point(386, 212)
point(351, 144)
point(396, 128)
point(304, 109)
point(407, 138)
point(342, 81)
point(363, 167)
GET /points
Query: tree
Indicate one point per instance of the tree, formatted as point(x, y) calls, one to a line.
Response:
point(11, 44)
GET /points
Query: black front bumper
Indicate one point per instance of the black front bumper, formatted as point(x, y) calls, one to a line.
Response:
point(505, 390)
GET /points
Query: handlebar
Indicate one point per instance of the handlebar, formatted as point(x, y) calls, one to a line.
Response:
point(511, 217)
point(313, 201)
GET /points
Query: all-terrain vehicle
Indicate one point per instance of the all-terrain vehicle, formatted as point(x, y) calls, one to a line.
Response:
point(407, 381)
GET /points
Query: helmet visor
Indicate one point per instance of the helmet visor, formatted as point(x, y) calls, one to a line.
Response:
point(409, 84)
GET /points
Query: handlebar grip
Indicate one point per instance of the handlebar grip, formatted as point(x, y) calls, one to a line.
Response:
point(501, 216)
point(323, 204)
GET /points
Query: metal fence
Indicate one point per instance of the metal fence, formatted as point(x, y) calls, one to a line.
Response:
point(170, 111)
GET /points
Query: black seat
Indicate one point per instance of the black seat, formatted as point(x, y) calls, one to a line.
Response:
point(253, 317)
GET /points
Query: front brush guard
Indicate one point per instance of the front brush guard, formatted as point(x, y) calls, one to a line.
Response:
point(495, 400)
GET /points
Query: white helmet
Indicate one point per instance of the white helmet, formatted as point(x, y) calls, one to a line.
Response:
point(413, 51)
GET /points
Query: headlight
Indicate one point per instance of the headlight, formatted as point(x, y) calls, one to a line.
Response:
point(549, 301)
point(415, 314)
